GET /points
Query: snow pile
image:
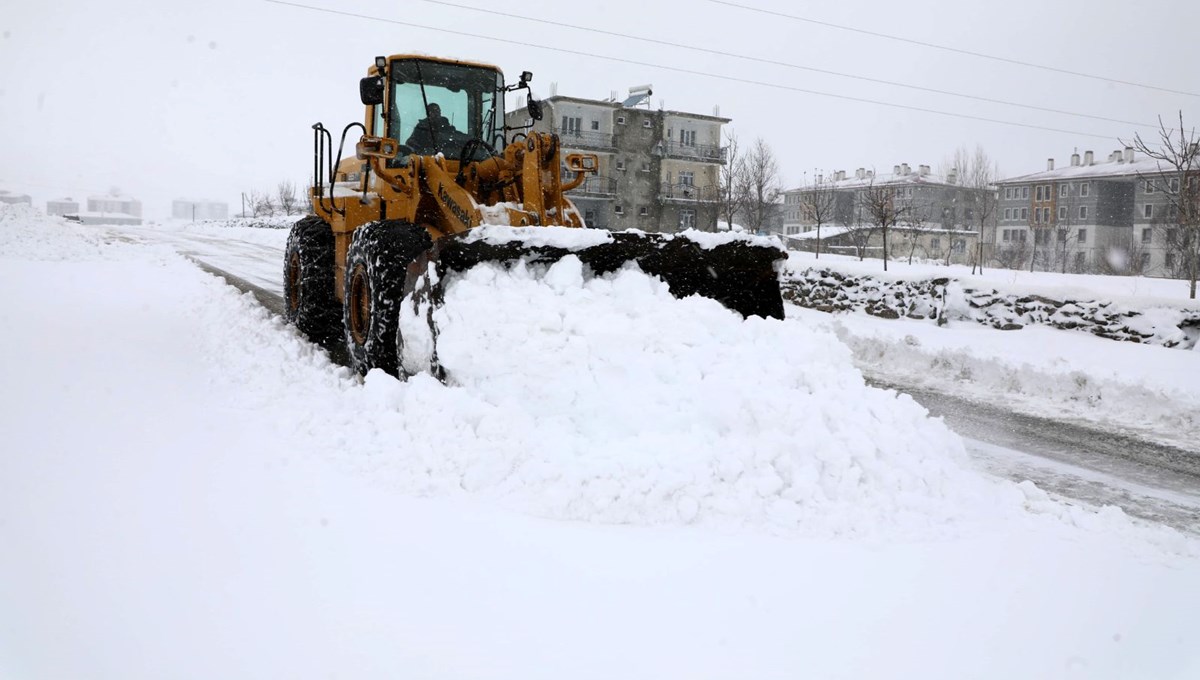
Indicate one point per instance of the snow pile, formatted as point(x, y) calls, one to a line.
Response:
point(27, 234)
point(607, 400)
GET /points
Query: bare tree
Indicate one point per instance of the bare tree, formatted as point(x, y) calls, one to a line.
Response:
point(285, 193)
point(818, 204)
point(914, 225)
point(763, 184)
point(261, 203)
point(1177, 154)
point(883, 210)
point(976, 172)
point(732, 180)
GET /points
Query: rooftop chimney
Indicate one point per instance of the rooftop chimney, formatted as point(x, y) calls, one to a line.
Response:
point(859, 173)
point(1074, 159)
point(1049, 164)
point(895, 169)
point(1129, 154)
point(904, 169)
point(952, 176)
point(923, 170)
point(1087, 158)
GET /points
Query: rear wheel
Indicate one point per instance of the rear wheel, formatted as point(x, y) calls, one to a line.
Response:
point(377, 266)
point(309, 301)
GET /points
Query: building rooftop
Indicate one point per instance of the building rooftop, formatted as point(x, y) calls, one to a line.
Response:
point(1116, 165)
point(901, 175)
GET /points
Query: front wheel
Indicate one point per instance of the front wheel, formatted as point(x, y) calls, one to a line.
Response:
point(377, 264)
point(309, 299)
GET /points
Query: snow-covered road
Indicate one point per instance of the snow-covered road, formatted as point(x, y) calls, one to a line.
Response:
point(1079, 461)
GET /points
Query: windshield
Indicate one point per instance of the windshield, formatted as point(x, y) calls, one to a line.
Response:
point(438, 107)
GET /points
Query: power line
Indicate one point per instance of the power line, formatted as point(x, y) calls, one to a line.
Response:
point(677, 69)
point(947, 48)
point(785, 64)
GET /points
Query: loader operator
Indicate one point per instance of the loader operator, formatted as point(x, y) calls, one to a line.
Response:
point(434, 134)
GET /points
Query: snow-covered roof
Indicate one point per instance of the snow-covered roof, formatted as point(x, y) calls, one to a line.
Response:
point(1110, 168)
point(888, 179)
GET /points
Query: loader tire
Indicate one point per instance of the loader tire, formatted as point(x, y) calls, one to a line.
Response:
point(376, 268)
point(309, 301)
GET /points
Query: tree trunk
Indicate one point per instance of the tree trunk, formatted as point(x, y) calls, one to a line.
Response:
point(885, 253)
point(818, 241)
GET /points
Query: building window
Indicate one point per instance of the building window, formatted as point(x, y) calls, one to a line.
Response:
point(571, 125)
point(1171, 236)
point(1037, 215)
point(1024, 192)
point(595, 125)
point(1025, 211)
point(687, 219)
point(1083, 212)
point(645, 166)
point(1148, 210)
point(643, 211)
point(619, 210)
point(1008, 213)
point(1146, 235)
point(1175, 185)
point(1041, 237)
point(1062, 190)
point(620, 120)
point(1021, 234)
point(1046, 215)
point(1080, 261)
point(687, 137)
point(1008, 193)
point(1082, 236)
point(589, 216)
point(1149, 186)
point(935, 243)
point(1062, 213)
point(687, 178)
point(958, 245)
point(646, 123)
point(1085, 188)
point(1143, 262)
point(1170, 260)
point(621, 165)
point(1038, 193)
point(1062, 235)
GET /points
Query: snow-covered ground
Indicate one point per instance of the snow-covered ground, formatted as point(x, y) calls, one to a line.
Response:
point(616, 483)
point(1147, 391)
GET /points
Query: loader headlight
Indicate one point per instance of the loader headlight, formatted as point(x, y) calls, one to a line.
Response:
point(526, 77)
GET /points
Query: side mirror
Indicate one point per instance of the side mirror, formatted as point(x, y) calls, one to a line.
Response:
point(370, 90)
point(535, 109)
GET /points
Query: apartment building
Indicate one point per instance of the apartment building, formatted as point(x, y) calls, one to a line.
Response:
point(1113, 216)
point(113, 208)
point(937, 216)
point(658, 170)
point(15, 199)
point(62, 207)
point(188, 209)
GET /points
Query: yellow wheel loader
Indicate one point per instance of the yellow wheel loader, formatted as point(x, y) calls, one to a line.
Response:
point(434, 162)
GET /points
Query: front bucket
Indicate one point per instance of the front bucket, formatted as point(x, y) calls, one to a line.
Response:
point(739, 272)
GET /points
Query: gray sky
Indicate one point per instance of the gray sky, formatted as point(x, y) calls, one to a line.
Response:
point(205, 100)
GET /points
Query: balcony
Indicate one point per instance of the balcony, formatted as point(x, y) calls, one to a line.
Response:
point(585, 139)
point(596, 187)
point(699, 152)
point(689, 193)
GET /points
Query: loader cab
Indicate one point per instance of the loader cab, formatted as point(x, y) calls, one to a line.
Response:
point(438, 107)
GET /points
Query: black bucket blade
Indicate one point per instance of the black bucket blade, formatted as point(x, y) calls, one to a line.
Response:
point(739, 274)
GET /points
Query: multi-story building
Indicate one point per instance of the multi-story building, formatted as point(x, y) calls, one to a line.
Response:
point(936, 216)
point(15, 199)
point(112, 208)
point(658, 170)
point(62, 206)
point(185, 209)
point(1111, 217)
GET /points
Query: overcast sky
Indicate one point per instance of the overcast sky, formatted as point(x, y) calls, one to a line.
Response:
point(208, 99)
